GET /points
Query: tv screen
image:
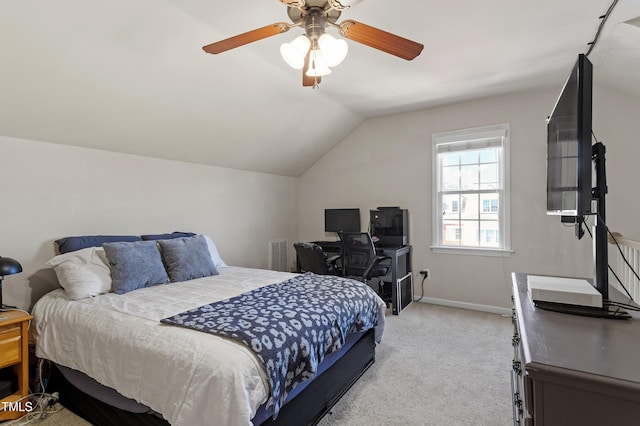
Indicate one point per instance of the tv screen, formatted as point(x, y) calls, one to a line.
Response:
point(346, 220)
point(569, 145)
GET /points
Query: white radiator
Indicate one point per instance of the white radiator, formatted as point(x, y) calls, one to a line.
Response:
point(278, 260)
point(630, 249)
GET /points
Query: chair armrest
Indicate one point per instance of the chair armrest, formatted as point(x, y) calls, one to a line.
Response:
point(380, 258)
point(333, 262)
point(333, 259)
point(376, 261)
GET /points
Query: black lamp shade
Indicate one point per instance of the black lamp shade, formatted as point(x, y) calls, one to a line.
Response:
point(9, 266)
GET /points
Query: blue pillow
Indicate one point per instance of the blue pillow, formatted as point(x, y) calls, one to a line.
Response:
point(150, 237)
point(187, 258)
point(135, 265)
point(65, 245)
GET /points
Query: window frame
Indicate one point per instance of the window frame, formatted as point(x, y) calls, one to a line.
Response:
point(474, 138)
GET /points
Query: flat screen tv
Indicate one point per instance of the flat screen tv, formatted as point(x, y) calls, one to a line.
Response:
point(570, 189)
point(342, 220)
point(569, 145)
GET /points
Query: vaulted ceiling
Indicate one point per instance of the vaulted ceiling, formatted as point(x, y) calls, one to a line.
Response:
point(130, 75)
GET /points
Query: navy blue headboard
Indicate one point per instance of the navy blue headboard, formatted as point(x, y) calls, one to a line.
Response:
point(167, 236)
point(68, 244)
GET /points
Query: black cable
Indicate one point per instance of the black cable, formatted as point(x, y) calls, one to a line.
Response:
point(618, 279)
point(424, 277)
point(606, 227)
point(621, 255)
point(602, 22)
point(624, 305)
point(617, 313)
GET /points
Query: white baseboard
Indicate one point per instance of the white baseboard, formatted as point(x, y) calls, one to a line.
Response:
point(464, 305)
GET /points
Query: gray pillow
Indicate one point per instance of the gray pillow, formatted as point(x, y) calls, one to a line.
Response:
point(135, 265)
point(187, 258)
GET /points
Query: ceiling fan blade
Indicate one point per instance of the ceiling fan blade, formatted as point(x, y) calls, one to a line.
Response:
point(381, 40)
point(246, 38)
point(306, 80)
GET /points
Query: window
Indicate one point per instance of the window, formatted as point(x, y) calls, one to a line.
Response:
point(471, 190)
point(490, 205)
point(453, 233)
point(489, 235)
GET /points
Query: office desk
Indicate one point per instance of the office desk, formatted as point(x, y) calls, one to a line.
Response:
point(399, 278)
point(330, 247)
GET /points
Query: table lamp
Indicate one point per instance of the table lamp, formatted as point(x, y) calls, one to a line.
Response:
point(8, 266)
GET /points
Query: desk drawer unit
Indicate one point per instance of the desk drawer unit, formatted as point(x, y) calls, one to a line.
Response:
point(10, 345)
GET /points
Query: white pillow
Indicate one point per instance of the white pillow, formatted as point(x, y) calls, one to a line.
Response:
point(83, 273)
point(215, 256)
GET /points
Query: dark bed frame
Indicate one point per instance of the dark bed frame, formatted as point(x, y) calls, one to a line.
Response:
point(307, 408)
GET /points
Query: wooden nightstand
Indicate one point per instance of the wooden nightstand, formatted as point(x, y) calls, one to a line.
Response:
point(14, 326)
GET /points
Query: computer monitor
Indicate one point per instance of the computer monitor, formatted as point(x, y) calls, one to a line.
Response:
point(342, 220)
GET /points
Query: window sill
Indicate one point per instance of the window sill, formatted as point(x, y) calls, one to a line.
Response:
point(472, 251)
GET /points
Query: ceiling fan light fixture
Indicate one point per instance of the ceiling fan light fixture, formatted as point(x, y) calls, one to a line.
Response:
point(316, 52)
point(342, 4)
point(317, 65)
point(293, 53)
point(333, 50)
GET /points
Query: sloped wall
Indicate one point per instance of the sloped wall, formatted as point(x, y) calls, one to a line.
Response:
point(51, 191)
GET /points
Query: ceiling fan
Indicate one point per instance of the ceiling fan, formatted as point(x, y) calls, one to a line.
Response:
point(316, 51)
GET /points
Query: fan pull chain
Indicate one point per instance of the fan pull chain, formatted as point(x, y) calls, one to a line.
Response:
point(314, 42)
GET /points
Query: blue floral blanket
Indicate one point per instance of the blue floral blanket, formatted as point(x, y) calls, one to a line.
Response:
point(290, 326)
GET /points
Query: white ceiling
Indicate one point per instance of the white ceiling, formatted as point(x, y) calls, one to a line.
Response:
point(130, 75)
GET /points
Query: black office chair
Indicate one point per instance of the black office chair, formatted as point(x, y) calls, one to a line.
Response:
point(312, 258)
point(359, 259)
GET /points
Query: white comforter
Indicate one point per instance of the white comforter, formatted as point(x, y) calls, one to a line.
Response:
point(188, 376)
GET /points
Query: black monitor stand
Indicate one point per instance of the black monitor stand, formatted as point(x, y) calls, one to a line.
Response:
point(600, 253)
point(601, 256)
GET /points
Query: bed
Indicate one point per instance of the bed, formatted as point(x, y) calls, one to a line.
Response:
point(183, 376)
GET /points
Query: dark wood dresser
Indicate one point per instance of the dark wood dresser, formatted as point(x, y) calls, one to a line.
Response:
point(573, 370)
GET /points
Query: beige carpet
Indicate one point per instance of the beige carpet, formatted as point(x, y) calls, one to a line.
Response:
point(56, 416)
point(435, 366)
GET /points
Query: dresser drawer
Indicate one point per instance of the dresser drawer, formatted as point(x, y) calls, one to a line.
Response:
point(10, 345)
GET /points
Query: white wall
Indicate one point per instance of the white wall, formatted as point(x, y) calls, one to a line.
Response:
point(51, 191)
point(387, 162)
